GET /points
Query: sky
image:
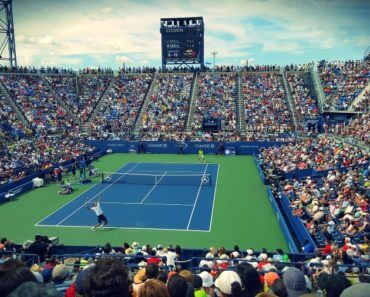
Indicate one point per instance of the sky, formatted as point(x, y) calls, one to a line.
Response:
point(107, 33)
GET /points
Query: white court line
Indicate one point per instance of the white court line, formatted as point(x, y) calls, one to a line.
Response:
point(177, 162)
point(150, 203)
point(127, 228)
point(214, 199)
point(72, 213)
point(99, 183)
point(196, 199)
point(151, 190)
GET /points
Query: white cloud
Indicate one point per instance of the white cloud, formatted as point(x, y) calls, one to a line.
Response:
point(47, 40)
point(106, 10)
point(132, 28)
point(122, 59)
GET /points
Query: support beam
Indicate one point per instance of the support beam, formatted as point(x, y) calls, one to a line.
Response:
point(7, 36)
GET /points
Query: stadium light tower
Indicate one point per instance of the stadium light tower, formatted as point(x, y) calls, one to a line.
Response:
point(214, 54)
point(7, 33)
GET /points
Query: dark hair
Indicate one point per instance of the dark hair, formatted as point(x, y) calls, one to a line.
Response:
point(236, 289)
point(13, 278)
point(336, 284)
point(177, 286)
point(107, 248)
point(197, 282)
point(9, 265)
point(162, 276)
point(3, 240)
point(279, 288)
point(250, 279)
point(152, 270)
point(31, 289)
point(108, 278)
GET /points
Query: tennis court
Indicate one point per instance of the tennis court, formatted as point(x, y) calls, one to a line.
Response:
point(165, 196)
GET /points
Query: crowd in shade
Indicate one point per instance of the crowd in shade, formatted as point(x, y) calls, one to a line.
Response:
point(10, 123)
point(65, 86)
point(160, 273)
point(168, 107)
point(35, 99)
point(357, 128)
point(90, 90)
point(25, 156)
point(117, 117)
point(305, 103)
point(364, 104)
point(215, 98)
point(335, 210)
point(342, 82)
point(265, 104)
point(320, 153)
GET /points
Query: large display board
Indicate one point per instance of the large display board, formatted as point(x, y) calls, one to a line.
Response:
point(182, 41)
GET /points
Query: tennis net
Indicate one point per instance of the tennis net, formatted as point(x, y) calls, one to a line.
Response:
point(157, 179)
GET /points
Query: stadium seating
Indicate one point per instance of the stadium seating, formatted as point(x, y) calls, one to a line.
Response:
point(326, 181)
point(342, 82)
point(36, 101)
point(216, 98)
point(117, 117)
point(168, 107)
point(265, 104)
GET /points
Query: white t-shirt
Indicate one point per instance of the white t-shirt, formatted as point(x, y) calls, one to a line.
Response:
point(97, 209)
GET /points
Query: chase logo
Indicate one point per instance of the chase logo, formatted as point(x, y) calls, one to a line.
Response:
point(205, 145)
point(158, 145)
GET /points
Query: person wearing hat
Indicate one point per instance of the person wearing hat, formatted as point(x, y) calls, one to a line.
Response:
point(139, 279)
point(198, 287)
point(229, 284)
point(207, 283)
point(357, 290)
point(59, 276)
point(294, 282)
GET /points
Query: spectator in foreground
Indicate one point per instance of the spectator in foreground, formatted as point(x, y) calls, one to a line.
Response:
point(295, 282)
point(153, 288)
point(229, 284)
point(32, 289)
point(108, 278)
point(177, 286)
point(13, 278)
point(250, 279)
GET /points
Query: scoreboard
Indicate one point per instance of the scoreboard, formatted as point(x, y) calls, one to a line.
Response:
point(182, 41)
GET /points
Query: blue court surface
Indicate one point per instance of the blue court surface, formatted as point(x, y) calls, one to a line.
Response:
point(165, 196)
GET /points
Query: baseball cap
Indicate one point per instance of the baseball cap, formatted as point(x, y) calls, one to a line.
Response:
point(358, 290)
point(294, 282)
point(225, 280)
point(207, 279)
point(270, 277)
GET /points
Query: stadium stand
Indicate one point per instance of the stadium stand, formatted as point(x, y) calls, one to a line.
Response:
point(167, 111)
point(266, 108)
point(216, 98)
point(342, 82)
point(326, 182)
point(117, 116)
point(305, 104)
point(91, 88)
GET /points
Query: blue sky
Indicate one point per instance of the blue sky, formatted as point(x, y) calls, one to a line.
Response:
point(91, 33)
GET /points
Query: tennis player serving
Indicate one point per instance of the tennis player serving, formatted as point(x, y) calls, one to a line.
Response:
point(201, 156)
point(102, 220)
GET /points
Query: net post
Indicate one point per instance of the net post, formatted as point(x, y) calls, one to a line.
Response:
point(102, 177)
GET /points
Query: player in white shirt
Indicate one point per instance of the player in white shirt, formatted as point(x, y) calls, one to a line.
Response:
point(102, 220)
